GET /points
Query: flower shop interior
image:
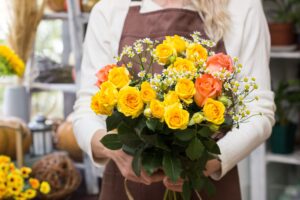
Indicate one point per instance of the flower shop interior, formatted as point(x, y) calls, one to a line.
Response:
point(36, 133)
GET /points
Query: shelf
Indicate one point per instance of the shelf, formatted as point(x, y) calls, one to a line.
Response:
point(64, 16)
point(293, 159)
point(286, 55)
point(70, 87)
point(54, 16)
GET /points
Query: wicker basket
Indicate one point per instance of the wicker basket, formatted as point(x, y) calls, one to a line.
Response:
point(59, 170)
point(56, 5)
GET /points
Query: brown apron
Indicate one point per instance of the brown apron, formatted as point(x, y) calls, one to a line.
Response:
point(156, 25)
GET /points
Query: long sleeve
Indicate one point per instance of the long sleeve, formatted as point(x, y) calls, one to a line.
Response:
point(253, 50)
point(97, 53)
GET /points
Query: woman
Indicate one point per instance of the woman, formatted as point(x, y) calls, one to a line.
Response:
point(239, 28)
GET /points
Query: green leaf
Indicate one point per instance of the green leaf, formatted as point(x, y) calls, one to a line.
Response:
point(140, 126)
point(129, 150)
point(111, 141)
point(195, 149)
point(128, 136)
point(137, 161)
point(186, 191)
point(152, 124)
point(212, 146)
point(172, 166)
point(113, 121)
point(209, 188)
point(185, 135)
point(205, 132)
point(161, 144)
point(151, 162)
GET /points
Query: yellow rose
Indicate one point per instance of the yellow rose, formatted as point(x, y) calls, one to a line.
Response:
point(177, 42)
point(176, 117)
point(214, 111)
point(163, 52)
point(119, 76)
point(147, 92)
point(171, 98)
point(196, 52)
point(45, 188)
point(185, 89)
point(34, 183)
point(130, 102)
point(157, 109)
point(182, 65)
point(104, 101)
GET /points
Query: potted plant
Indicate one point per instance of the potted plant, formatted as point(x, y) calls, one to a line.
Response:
point(287, 99)
point(280, 16)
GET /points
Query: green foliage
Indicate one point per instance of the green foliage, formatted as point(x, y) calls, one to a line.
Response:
point(172, 166)
point(112, 141)
point(287, 98)
point(281, 10)
point(179, 153)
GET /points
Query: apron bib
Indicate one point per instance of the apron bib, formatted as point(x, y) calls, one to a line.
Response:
point(156, 25)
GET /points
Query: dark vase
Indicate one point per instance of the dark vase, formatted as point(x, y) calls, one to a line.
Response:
point(283, 138)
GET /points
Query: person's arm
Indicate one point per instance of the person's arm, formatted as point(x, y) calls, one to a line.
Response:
point(254, 54)
point(88, 127)
point(97, 54)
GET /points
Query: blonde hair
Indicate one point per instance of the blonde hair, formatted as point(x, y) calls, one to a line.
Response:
point(215, 16)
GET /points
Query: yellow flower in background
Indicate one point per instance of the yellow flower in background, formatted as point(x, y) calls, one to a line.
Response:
point(182, 65)
point(5, 159)
point(34, 183)
point(4, 167)
point(147, 92)
point(3, 190)
point(214, 111)
point(176, 117)
point(196, 52)
point(176, 42)
point(157, 109)
point(185, 89)
point(30, 193)
point(26, 171)
point(13, 61)
point(171, 98)
point(119, 76)
point(45, 188)
point(130, 102)
point(163, 52)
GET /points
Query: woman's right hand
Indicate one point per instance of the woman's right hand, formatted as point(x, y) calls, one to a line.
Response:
point(122, 160)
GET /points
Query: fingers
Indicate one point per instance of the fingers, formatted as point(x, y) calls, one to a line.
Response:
point(177, 187)
point(157, 177)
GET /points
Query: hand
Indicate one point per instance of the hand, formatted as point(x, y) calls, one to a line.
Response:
point(212, 166)
point(123, 161)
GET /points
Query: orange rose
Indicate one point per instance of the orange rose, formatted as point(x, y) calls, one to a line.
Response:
point(218, 62)
point(207, 87)
point(102, 74)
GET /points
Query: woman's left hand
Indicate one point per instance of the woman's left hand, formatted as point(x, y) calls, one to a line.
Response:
point(212, 166)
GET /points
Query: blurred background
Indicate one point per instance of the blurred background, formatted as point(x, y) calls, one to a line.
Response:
point(35, 110)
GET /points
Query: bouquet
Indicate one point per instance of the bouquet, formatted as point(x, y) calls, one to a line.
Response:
point(169, 103)
point(10, 63)
point(17, 183)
